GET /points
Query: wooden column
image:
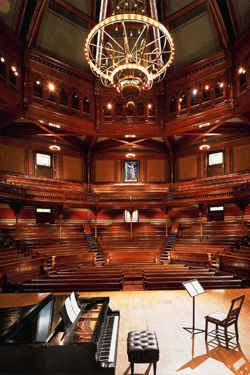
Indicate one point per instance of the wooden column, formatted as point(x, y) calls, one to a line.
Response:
point(242, 204)
point(95, 212)
point(166, 211)
point(96, 226)
point(60, 215)
point(201, 210)
point(16, 207)
point(131, 220)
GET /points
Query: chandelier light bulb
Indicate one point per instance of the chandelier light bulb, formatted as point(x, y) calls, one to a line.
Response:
point(51, 87)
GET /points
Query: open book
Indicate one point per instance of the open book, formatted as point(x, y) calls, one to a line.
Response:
point(193, 287)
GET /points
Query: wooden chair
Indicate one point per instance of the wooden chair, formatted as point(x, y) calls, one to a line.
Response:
point(225, 320)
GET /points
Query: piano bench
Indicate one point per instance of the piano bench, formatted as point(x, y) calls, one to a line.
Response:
point(142, 347)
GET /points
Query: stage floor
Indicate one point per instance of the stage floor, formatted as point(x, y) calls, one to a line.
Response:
point(166, 313)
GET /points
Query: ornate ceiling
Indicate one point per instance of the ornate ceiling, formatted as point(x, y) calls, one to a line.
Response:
point(201, 29)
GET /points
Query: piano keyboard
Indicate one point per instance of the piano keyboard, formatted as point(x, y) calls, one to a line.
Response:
point(107, 350)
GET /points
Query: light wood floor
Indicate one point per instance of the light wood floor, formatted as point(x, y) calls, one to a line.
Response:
point(166, 312)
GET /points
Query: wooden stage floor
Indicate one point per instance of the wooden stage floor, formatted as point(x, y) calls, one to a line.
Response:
point(166, 312)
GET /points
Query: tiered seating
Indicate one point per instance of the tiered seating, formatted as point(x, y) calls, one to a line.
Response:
point(70, 250)
point(87, 279)
point(219, 242)
point(173, 278)
point(235, 265)
point(145, 245)
point(223, 234)
point(45, 239)
point(14, 273)
point(242, 251)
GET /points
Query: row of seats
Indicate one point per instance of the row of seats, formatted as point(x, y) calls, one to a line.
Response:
point(173, 279)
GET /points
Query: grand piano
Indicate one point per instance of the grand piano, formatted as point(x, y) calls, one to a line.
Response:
point(41, 339)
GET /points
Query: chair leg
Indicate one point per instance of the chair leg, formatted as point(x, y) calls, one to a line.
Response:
point(236, 331)
point(132, 368)
point(154, 365)
point(206, 326)
point(226, 337)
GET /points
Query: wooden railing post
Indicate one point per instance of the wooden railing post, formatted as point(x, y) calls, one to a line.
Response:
point(96, 226)
point(60, 226)
point(200, 214)
point(16, 207)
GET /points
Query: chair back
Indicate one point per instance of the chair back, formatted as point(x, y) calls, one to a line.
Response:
point(235, 308)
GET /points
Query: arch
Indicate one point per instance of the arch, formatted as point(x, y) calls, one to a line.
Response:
point(37, 89)
point(141, 108)
point(3, 66)
point(151, 108)
point(86, 105)
point(183, 101)
point(219, 89)
point(206, 93)
point(172, 105)
point(243, 78)
point(107, 110)
point(63, 98)
point(118, 109)
point(194, 97)
point(12, 78)
point(75, 101)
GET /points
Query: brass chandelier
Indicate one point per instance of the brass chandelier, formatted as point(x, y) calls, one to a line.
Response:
point(129, 50)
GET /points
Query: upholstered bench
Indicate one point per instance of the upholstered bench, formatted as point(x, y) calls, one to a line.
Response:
point(142, 347)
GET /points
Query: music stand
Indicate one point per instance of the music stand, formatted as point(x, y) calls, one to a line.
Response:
point(193, 288)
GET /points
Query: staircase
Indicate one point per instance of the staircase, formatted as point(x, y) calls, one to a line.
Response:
point(171, 241)
point(91, 242)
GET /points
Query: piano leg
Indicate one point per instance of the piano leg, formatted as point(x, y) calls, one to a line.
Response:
point(154, 365)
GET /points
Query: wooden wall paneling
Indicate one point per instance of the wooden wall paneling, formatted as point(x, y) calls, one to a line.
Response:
point(241, 158)
point(12, 159)
point(104, 170)
point(72, 168)
point(227, 156)
point(187, 167)
point(156, 170)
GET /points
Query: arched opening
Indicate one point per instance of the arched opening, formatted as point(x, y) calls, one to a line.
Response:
point(86, 105)
point(219, 89)
point(75, 101)
point(118, 109)
point(183, 100)
point(63, 98)
point(172, 105)
point(37, 89)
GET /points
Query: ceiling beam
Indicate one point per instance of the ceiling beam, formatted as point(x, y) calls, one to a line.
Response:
point(183, 11)
point(219, 23)
point(75, 11)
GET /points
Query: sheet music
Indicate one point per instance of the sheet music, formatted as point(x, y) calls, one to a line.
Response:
point(193, 287)
point(71, 314)
point(74, 304)
point(198, 286)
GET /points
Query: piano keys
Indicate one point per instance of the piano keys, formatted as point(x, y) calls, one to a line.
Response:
point(38, 341)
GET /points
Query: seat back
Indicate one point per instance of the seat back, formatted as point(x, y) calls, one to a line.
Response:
point(235, 308)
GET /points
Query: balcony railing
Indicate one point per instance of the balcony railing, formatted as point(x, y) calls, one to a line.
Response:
point(11, 191)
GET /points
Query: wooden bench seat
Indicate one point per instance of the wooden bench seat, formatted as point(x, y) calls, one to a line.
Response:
point(189, 258)
point(236, 265)
point(17, 272)
point(213, 283)
point(130, 256)
point(72, 286)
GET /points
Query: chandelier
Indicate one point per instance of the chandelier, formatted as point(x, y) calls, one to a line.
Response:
point(129, 50)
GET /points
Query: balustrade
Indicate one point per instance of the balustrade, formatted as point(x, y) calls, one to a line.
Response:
point(171, 199)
